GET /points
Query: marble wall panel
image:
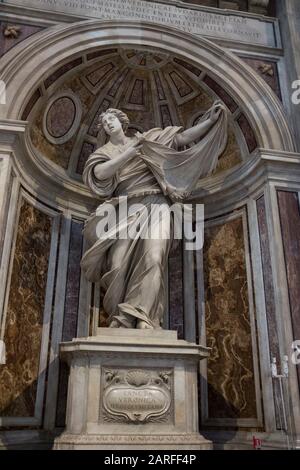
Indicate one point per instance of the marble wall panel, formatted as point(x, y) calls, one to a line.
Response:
point(99, 74)
point(290, 226)
point(231, 155)
point(140, 110)
point(13, 33)
point(86, 151)
point(73, 281)
point(117, 83)
point(230, 376)
point(95, 54)
point(160, 89)
point(213, 85)
point(198, 104)
point(166, 117)
point(24, 321)
point(138, 92)
point(268, 278)
point(103, 316)
point(267, 70)
point(269, 294)
point(183, 88)
point(176, 315)
point(71, 312)
point(188, 66)
point(93, 129)
point(32, 101)
point(247, 132)
point(61, 71)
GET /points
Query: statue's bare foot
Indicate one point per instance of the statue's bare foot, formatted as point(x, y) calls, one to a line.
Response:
point(114, 324)
point(142, 325)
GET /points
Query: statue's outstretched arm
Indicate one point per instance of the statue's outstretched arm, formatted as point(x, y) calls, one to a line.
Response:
point(196, 132)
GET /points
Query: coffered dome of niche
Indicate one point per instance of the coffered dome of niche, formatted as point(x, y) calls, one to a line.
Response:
point(153, 88)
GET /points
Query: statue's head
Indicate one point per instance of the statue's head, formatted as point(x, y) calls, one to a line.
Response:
point(112, 119)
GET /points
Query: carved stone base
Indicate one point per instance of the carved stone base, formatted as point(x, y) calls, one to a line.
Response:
point(126, 441)
point(132, 389)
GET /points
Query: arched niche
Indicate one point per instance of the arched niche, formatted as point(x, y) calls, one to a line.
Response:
point(27, 68)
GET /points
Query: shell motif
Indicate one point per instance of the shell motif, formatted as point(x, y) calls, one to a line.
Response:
point(137, 378)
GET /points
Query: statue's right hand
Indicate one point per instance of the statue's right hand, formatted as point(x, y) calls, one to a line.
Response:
point(135, 149)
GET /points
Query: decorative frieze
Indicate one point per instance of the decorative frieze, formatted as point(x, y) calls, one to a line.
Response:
point(189, 18)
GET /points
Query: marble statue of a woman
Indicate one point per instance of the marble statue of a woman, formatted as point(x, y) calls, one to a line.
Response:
point(148, 170)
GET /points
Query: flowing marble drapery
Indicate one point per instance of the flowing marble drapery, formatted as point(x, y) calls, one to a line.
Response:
point(132, 269)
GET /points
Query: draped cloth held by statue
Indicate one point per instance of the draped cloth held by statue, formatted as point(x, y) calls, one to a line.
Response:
point(132, 270)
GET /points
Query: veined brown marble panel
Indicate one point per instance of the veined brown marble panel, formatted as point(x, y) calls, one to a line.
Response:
point(267, 275)
point(71, 312)
point(230, 376)
point(24, 321)
point(176, 290)
point(290, 226)
point(269, 295)
point(73, 281)
point(103, 316)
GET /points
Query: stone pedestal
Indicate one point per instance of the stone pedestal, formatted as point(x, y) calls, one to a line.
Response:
point(132, 389)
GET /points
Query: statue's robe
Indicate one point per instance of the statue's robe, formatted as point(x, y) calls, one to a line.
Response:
point(132, 269)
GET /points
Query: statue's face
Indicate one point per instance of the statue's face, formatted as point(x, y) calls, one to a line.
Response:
point(111, 124)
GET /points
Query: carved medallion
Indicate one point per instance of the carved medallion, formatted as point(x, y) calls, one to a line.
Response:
point(136, 396)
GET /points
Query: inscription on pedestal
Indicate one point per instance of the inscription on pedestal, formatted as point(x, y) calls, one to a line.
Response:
point(136, 396)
